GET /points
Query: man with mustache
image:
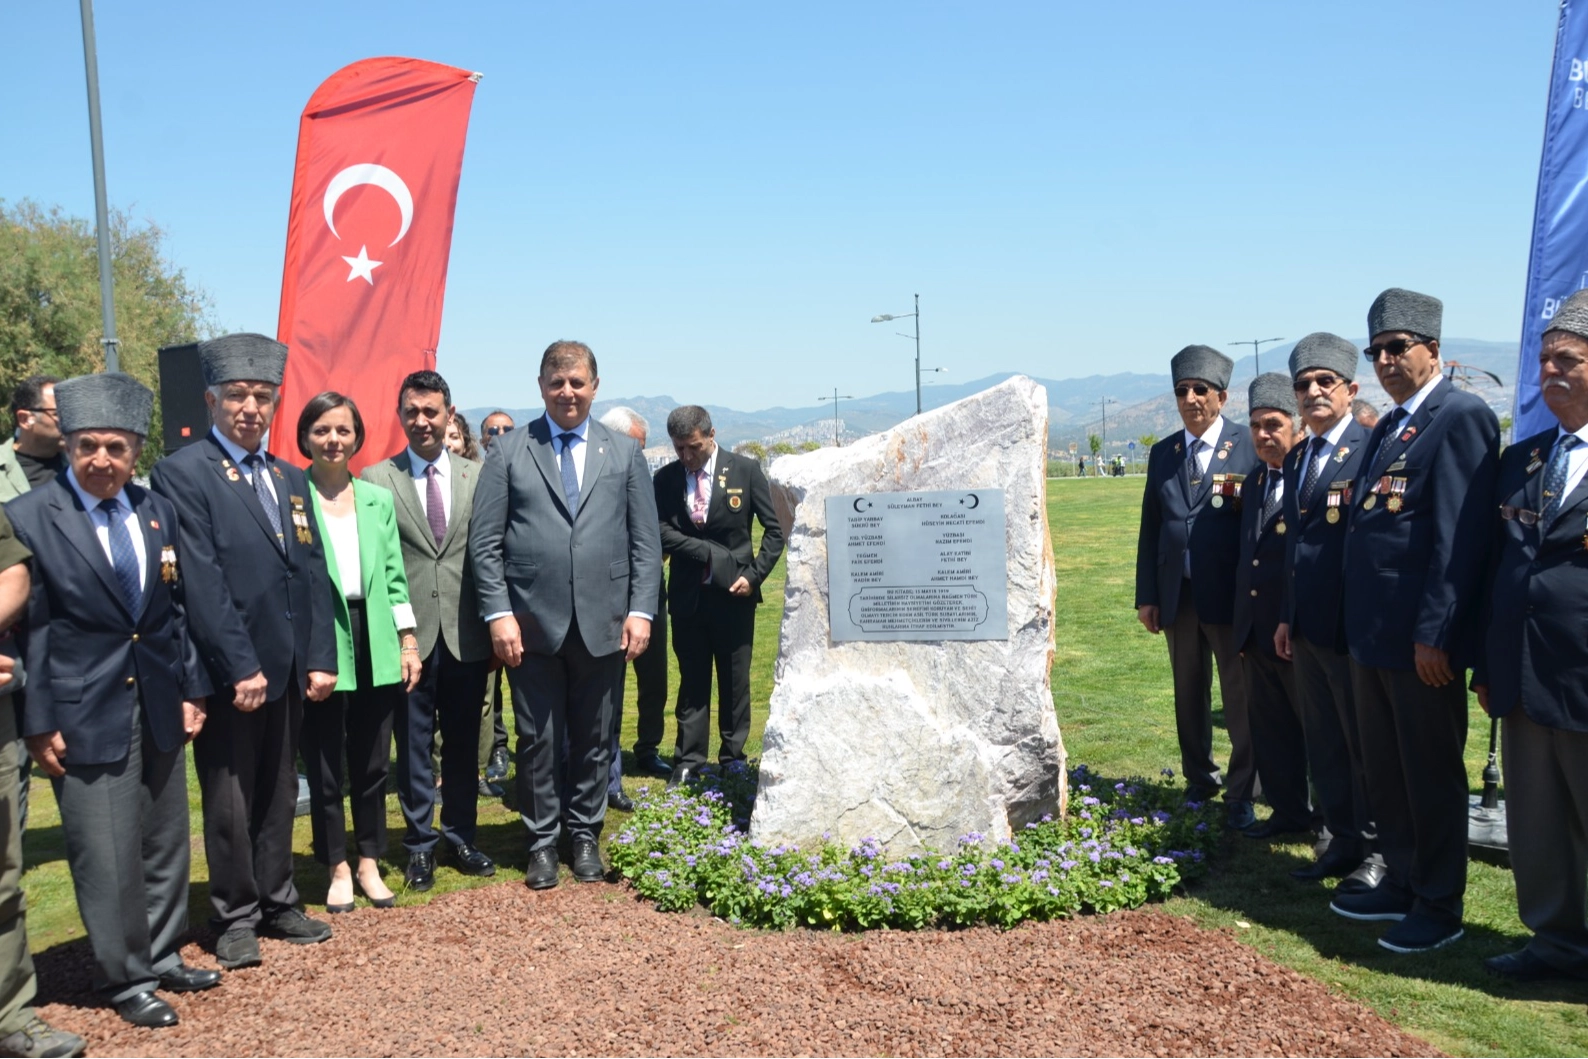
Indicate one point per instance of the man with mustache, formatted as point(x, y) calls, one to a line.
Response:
point(1278, 747)
point(1318, 476)
point(1414, 562)
point(1185, 572)
point(1535, 664)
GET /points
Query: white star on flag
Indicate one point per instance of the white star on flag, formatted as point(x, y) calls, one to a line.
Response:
point(362, 267)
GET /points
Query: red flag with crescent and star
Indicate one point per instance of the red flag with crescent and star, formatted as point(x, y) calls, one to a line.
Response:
point(380, 152)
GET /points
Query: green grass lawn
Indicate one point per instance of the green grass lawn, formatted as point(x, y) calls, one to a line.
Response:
point(1111, 690)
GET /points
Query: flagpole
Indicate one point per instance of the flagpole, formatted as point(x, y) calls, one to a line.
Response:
point(107, 305)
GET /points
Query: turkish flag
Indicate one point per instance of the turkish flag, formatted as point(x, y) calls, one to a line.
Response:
point(380, 151)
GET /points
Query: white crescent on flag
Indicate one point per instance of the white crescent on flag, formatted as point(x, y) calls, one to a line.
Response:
point(381, 177)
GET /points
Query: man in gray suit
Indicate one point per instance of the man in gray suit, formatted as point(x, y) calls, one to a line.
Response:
point(568, 561)
point(435, 493)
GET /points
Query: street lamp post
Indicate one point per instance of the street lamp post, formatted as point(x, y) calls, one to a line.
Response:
point(884, 318)
point(1105, 403)
point(835, 398)
point(1255, 343)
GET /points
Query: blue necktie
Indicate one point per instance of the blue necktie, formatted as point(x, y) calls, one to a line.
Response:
point(123, 556)
point(570, 476)
point(1304, 501)
point(1392, 423)
point(1555, 477)
point(266, 501)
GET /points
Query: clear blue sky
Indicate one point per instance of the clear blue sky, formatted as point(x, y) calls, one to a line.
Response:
point(718, 197)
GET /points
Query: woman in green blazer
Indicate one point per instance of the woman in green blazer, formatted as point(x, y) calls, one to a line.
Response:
point(377, 652)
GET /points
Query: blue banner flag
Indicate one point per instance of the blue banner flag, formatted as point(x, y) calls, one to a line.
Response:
point(1558, 263)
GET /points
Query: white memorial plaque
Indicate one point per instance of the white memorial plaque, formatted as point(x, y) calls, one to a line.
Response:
point(918, 566)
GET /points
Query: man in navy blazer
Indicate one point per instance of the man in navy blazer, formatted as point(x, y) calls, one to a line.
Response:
point(1318, 477)
point(1185, 572)
point(1278, 745)
point(1414, 565)
point(260, 615)
point(1534, 670)
point(115, 692)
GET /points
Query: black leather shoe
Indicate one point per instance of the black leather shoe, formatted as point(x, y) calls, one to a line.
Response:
point(467, 859)
point(185, 979)
point(1201, 794)
point(489, 789)
point(238, 947)
point(1329, 866)
point(496, 767)
point(1273, 827)
point(542, 871)
point(620, 801)
point(146, 1010)
point(653, 764)
point(421, 873)
point(1523, 966)
point(682, 775)
point(1366, 877)
point(1238, 816)
point(290, 924)
point(587, 866)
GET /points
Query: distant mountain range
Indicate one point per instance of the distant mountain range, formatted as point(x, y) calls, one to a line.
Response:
point(1139, 404)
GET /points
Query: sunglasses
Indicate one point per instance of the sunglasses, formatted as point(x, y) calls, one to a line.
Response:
point(1201, 389)
point(494, 431)
point(1395, 347)
point(1325, 383)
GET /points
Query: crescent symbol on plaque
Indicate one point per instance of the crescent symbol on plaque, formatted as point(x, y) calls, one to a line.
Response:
point(858, 501)
point(381, 177)
point(975, 501)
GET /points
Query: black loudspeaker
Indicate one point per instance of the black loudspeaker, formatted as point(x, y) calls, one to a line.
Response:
point(182, 409)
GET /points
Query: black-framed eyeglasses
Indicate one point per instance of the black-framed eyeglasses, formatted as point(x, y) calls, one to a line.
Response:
point(1325, 383)
point(1201, 389)
point(1395, 347)
point(495, 431)
point(42, 412)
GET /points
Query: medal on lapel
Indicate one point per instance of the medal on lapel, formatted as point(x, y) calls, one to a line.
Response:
point(300, 520)
point(1344, 451)
point(167, 564)
point(1408, 434)
point(1534, 462)
point(231, 471)
point(734, 497)
point(1279, 527)
point(1226, 485)
point(1332, 503)
point(1224, 453)
point(273, 467)
point(1396, 501)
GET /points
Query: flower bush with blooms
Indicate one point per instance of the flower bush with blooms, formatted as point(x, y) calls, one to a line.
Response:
point(1124, 843)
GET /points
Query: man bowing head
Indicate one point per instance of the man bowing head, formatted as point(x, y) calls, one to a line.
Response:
point(567, 560)
point(260, 614)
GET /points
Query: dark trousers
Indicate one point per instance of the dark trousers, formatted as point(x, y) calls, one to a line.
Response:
point(1193, 648)
point(447, 696)
point(1412, 742)
point(650, 683)
point(1279, 746)
point(126, 830)
point(563, 705)
point(356, 725)
point(719, 634)
point(1334, 752)
point(248, 782)
point(1546, 815)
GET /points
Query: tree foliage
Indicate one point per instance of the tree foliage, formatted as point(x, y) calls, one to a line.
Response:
point(782, 448)
point(810, 446)
point(49, 299)
point(1095, 443)
point(1147, 441)
point(751, 448)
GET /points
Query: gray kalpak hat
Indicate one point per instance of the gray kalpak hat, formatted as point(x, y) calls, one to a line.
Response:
point(1572, 316)
point(110, 401)
point(1202, 362)
point(243, 357)
point(1272, 389)
point(1323, 350)
point(1405, 310)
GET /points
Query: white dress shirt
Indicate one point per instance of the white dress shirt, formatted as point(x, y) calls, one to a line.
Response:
point(1333, 444)
point(240, 454)
point(101, 523)
point(1576, 459)
point(1210, 440)
point(576, 447)
point(692, 482)
point(443, 464)
point(342, 531)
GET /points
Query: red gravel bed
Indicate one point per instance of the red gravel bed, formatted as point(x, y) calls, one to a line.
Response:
point(591, 970)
